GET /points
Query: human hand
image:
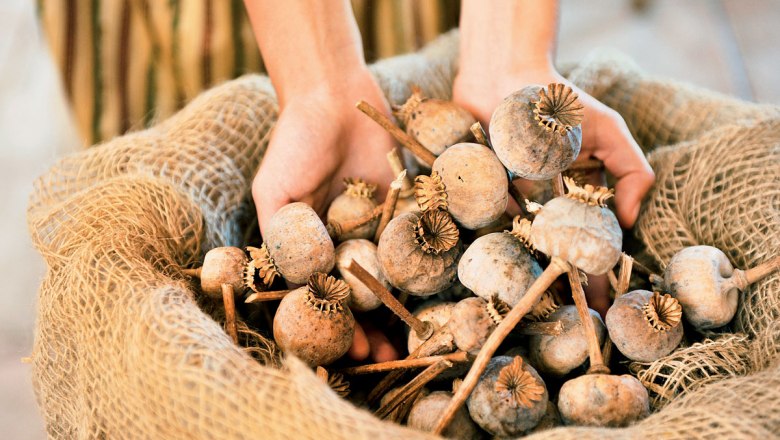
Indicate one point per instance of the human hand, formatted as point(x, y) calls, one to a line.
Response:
point(319, 139)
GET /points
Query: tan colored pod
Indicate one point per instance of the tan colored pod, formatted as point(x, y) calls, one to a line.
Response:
point(475, 182)
point(418, 253)
point(509, 399)
point(313, 322)
point(578, 228)
point(498, 264)
point(298, 243)
point(437, 313)
point(223, 265)
point(645, 325)
point(355, 202)
point(559, 355)
point(603, 400)
point(426, 411)
point(364, 252)
point(536, 131)
point(434, 123)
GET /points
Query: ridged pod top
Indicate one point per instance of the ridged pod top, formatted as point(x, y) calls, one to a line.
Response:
point(558, 108)
point(522, 386)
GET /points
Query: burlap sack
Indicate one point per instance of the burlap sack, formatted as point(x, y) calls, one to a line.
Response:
point(124, 350)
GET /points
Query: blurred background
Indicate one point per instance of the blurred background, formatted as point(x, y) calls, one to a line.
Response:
point(726, 45)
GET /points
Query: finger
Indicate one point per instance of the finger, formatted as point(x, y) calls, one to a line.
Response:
point(623, 158)
point(267, 201)
point(381, 348)
point(360, 346)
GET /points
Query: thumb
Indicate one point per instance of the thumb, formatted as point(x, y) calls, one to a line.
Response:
point(623, 158)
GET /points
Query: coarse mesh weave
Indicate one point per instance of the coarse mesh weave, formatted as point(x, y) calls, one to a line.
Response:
point(123, 349)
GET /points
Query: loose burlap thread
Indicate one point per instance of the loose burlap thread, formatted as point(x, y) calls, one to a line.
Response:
point(123, 349)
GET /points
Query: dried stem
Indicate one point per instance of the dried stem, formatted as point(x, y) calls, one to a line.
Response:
point(411, 388)
point(195, 273)
point(424, 329)
point(439, 343)
point(405, 364)
point(540, 328)
point(397, 166)
point(388, 208)
point(621, 287)
point(555, 269)
point(594, 350)
point(401, 136)
point(765, 269)
point(480, 135)
point(271, 295)
point(228, 298)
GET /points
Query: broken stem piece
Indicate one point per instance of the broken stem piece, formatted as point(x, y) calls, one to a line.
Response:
point(405, 364)
point(540, 328)
point(404, 139)
point(480, 135)
point(397, 166)
point(194, 273)
point(424, 329)
point(336, 230)
point(411, 388)
point(622, 283)
point(532, 296)
point(388, 208)
point(228, 299)
point(271, 295)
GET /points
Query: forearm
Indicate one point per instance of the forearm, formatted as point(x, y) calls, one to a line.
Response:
point(306, 44)
point(508, 35)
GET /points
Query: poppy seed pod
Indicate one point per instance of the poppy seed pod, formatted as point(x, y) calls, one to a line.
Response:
point(578, 228)
point(362, 298)
point(426, 410)
point(434, 123)
point(500, 264)
point(708, 286)
point(468, 181)
point(536, 131)
point(313, 322)
point(509, 399)
point(644, 325)
point(603, 400)
point(418, 253)
point(355, 202)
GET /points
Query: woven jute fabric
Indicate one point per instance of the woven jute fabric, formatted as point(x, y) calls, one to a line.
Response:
point(126, 348)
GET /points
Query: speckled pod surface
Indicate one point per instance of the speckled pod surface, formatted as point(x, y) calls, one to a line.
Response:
point(317, 337)
point(223, 265)
point(472, 324)
point(299, 243)
point(603, 400)
point(633, 334)
point(559, 355)
point(426, 411)
point(494, 411)
point(407, 266)
point(697, 277)
point(476, 184)
point(525, 148)
point(364, 252)
point(498, 264)
point(587, 236)
point(437, 313)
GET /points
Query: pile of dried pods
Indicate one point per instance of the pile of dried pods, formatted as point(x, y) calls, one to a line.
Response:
point(492, 348)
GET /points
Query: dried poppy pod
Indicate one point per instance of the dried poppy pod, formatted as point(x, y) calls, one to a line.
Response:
point(364, 252)
point(355, 202)
point(536, 131)
point(708, 286)
point(500, 264)
point(644, 325)
point(434, 123)
point(577, 227)
point(603, 400)
point(297, 244)
point(474, 320)
point(222, 265)
point(419, 252)
point(437, 313)
point(426, 411)
point(559, 355)
point(469, 181)
point(313, 322)
point(509, 399)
